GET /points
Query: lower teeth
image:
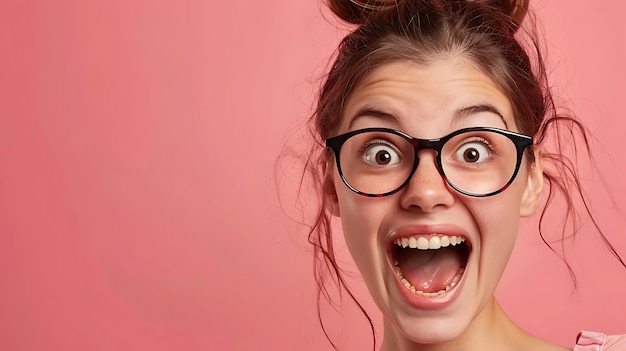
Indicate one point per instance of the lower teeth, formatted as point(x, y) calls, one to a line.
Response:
point(439, 293)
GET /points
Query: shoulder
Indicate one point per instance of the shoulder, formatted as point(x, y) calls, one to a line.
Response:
point(593, 341)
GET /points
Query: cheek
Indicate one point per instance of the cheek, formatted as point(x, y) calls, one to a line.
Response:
point(497, 219)
point(361, 218)
point(499, 215)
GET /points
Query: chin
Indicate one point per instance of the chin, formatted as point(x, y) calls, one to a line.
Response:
point(429, 327)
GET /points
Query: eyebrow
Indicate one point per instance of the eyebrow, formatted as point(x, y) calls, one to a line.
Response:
point(466, 111)
point(372, 112)
point(459, 115)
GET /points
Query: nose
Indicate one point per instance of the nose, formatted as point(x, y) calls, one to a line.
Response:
point(427, 190)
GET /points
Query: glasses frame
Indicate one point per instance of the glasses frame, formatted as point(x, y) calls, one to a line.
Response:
point(520, 141)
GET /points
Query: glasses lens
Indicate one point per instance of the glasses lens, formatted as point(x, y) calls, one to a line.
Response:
point(376, 162)
point(480, 162)
point(476, 162)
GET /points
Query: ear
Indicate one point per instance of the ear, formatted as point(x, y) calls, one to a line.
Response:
point(534, 186)
point(330, 192)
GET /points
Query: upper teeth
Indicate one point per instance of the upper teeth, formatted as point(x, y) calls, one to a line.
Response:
point(432, 243)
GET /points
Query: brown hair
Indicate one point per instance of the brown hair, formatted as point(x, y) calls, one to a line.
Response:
point(487, 34)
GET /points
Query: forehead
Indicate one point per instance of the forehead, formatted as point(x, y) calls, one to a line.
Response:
point(427, 96)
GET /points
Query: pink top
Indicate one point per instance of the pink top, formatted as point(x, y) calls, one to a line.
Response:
point(592, 341)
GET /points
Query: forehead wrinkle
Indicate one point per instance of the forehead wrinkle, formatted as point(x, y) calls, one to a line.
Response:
point(393, 80)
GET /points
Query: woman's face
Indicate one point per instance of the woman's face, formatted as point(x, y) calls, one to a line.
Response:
point(431, 295)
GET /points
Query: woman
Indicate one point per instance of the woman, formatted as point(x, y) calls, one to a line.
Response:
point(433, 115)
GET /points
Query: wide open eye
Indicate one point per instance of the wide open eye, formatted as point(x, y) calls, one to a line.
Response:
point(381, 155)
point(473, 152)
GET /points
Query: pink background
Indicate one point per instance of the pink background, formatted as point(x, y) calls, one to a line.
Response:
point(138, 201)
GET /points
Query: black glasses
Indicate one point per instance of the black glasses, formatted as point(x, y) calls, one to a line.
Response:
point(479, 161)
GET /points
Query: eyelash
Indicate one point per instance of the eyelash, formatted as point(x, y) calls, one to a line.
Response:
point(376, 142)
point(479, 139)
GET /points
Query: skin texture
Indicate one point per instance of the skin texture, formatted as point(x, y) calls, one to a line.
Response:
point(422, 101)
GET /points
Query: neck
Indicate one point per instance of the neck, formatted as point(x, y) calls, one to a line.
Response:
point(492, 329)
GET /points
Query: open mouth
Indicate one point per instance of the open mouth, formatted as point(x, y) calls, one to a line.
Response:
point(430, 265)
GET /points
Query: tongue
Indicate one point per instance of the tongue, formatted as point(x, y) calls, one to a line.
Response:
point(429, 270)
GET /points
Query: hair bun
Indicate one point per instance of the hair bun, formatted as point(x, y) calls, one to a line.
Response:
point(358, 11)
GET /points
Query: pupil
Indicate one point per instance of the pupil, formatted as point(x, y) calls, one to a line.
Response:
point(383, 157)
point(471, 155)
